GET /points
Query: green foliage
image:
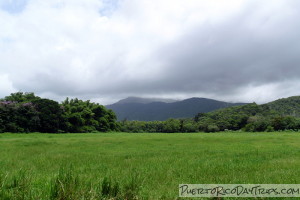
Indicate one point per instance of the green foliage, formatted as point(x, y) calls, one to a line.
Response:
point(25, 112)
point(233, 118)
point(212, 128)
point(21, 97)
point(188, 126)
point(17, 117)
point(286, 106)
point(168, 126)
point(171, 126)
point(84, 116)
point(49, 115)
point(253, 117)
point(278, 115)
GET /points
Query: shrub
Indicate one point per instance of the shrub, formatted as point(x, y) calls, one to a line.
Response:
point(212, 128)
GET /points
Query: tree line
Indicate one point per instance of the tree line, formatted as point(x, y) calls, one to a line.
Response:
point(250, 118)
point(26, 112)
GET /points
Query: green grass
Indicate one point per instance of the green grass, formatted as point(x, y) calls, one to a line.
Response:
point(141, 166)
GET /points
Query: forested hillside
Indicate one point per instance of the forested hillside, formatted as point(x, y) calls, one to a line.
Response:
point(286, 106)
point(282, 114)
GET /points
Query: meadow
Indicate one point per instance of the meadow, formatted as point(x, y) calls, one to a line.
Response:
point(141, 165)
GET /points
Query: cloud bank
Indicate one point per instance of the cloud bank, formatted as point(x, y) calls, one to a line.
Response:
point(238, 50)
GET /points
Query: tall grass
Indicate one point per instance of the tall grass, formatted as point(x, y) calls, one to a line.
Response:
point(140, 166)
point(67, 185)
point(17, 187)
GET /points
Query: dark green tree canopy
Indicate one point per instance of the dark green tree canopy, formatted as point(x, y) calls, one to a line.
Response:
point(25, 112)
point(84, 116)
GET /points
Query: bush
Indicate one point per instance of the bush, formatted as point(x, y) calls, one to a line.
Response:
point(189, 127)
point(269, 129)
point(212, 128)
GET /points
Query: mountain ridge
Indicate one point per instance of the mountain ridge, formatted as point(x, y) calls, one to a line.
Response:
point(149, 109)
point(133, 99)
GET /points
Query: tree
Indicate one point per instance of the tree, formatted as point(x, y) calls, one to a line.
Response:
point(171, 126)
point(84, 116)
point(49, 114)
point(21, 97)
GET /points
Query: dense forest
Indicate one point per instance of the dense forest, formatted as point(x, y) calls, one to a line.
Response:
point(26, 112)
point(282, 114)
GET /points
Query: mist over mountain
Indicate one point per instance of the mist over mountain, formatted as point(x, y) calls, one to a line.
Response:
point(149, 109)
point(144, 100)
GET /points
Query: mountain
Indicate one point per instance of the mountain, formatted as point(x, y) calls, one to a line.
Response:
point(144, 100)
point(134, 108)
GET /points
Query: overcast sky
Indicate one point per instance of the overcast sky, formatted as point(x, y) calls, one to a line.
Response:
point(105, 50)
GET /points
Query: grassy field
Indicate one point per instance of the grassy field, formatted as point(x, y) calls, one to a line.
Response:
point(141, 166)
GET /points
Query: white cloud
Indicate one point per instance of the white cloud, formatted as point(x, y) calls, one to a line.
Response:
point(104, 49)
point(6, 85)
